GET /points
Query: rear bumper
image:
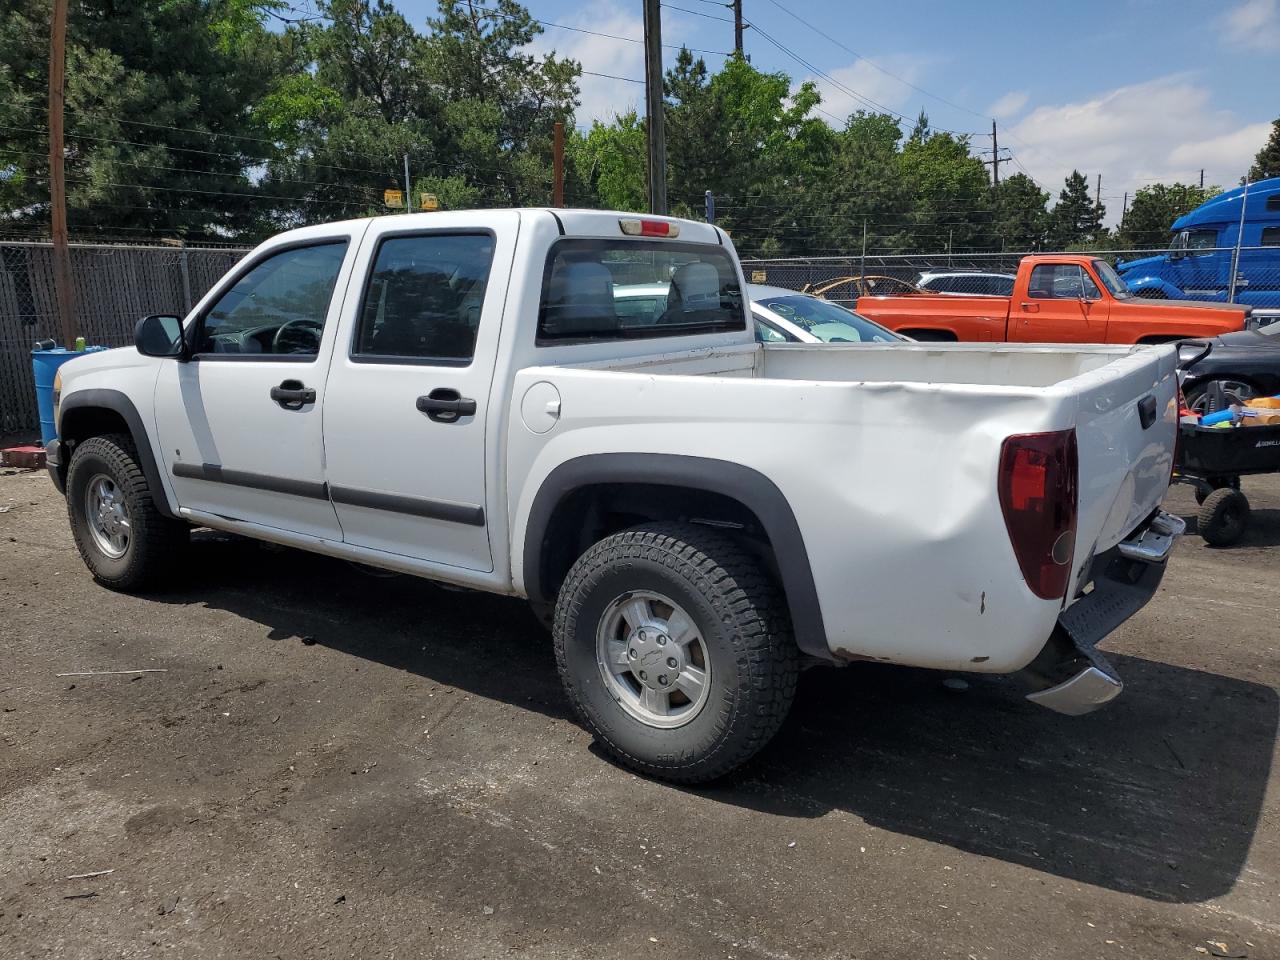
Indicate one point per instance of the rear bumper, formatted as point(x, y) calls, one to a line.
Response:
point(1070, 675)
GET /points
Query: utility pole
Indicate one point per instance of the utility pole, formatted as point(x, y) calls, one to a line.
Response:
point(408, 195)
point(557, 165)
point(1125, 208)
point(996, 159)
point(57, 176)
point(737, 27)
point(653, 107)
point(1202, 178)
point(1097, 193)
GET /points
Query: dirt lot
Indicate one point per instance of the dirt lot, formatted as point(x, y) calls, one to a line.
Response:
point(334, 765)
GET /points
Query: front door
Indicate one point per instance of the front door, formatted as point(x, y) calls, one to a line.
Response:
point(405, 411)
point(239, 423)
point(1062, 305)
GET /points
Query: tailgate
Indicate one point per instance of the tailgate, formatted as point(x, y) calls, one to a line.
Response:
point(1126, 425)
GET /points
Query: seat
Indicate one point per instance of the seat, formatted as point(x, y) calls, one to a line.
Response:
point(694, 287)
point(580, 300)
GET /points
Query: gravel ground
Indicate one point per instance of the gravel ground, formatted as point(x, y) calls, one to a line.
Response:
point(338, 765)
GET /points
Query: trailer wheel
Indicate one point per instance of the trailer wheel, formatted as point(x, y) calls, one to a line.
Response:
point(1224, 515)
point(1216, 483)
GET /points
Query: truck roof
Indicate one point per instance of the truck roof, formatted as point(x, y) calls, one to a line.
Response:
point(572, 223)
point(1263, 204)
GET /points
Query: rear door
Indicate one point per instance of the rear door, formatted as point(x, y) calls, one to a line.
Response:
point(1061, 304)
point(239, 424)
point(408, 394)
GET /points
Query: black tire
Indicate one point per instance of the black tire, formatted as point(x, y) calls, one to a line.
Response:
point(743, 627)
point(154, 540)
point(1217, 484)
point(1224, 515)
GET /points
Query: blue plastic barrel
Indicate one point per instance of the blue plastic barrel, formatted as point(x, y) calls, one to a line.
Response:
point(44, 365)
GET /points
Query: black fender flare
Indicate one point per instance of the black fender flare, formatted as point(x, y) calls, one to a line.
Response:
point(749, 487)
point(119, 403)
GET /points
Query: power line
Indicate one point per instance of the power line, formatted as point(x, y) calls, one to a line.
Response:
point(861, 98)
point(872, 63)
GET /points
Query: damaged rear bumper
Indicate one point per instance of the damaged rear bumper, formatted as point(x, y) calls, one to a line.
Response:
point(1069, 674)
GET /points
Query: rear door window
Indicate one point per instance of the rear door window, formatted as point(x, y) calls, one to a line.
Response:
point(423, 300)
point(623, 289)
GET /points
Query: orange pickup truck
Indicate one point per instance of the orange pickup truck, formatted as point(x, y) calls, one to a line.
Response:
point(1057, 298)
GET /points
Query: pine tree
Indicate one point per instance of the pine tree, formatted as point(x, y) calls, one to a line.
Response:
point(1267, 162)
point(1022, 220)
point(1076, 220)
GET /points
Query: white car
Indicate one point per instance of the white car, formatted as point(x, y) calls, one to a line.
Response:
point(785, 316)
point(458, 396)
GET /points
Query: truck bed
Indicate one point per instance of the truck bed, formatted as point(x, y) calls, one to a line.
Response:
point(897, 448)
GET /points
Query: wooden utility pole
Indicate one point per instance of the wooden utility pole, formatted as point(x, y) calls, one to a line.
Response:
point(1097, 193)
point(653, 107)
point(1202, 178)
point(57, 176)
point(737, 27)
point(996, 159)
point(557, 165)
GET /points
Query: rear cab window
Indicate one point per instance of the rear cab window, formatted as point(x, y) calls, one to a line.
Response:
point(629, 289)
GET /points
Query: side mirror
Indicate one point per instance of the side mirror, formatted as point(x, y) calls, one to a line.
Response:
point(160, 335)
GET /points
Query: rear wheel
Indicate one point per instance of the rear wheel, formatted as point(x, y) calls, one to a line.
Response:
point(675, 650)
point(123, 539)
point(1223, 517)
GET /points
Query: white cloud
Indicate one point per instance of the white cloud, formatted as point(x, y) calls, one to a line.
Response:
point(870, 84)
point(1162, 130)
point(1254, 24)
point(1009, 105)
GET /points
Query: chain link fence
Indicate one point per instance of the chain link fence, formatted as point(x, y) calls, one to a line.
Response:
point(114, 285)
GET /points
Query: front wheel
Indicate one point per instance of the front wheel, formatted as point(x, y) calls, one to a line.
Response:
point(123, 539)
point(675, 650)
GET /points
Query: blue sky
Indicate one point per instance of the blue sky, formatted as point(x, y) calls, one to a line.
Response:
point(1137, 90)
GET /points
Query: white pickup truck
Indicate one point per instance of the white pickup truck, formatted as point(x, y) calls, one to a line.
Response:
point(461, 396)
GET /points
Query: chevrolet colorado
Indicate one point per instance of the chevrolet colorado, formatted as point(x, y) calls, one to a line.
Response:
point(458, 396)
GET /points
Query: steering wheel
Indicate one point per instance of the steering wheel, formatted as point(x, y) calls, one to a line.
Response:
point(312, 327)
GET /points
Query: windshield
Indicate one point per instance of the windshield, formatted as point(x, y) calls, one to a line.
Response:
point(826, 321)
point(616, 289)
point(1111, 280)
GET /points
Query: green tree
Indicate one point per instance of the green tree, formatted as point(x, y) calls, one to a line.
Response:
point(866, 186)
point(1022, 217)
point(609, 162)
point(1153, 209)
point(952, 206)
point(158, 138)
point(1076, 221)
point(1267, 162)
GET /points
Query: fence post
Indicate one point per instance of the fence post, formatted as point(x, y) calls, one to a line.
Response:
point(186, 278)
point(1235, 254)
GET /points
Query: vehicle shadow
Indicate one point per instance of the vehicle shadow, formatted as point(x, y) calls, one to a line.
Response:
point(1158, 796)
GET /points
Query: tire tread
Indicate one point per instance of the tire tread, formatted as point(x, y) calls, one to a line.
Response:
point(723, 570)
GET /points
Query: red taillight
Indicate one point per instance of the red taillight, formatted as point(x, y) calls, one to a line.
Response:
point(649, 228)
point(1038, 497)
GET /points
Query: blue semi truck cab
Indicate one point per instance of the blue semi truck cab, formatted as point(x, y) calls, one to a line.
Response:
point(1208, 241)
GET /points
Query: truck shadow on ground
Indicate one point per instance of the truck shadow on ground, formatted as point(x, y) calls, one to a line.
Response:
point(1157, 796)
